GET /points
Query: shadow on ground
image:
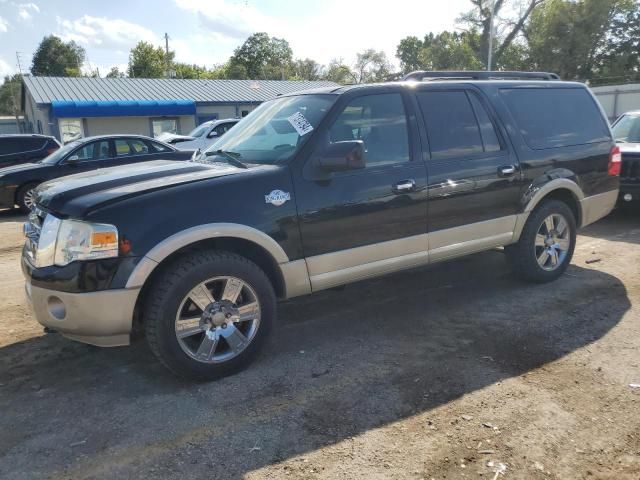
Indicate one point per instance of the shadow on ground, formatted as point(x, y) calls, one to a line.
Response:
point(10, 215)
point(341, 363)
point(621, 225)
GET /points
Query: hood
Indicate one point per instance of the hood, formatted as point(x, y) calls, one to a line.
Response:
point(21, 168)
point(172, 137)
point(76, 194)
point(633, 148)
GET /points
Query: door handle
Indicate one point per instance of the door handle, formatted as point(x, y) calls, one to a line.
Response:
point(507, 170)
point(405, 186)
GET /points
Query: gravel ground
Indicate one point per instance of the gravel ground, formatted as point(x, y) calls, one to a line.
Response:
point(452, 371)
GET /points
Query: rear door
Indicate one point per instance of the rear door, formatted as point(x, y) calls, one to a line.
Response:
point(131, 150)
point(474, 176)
point(17, 150)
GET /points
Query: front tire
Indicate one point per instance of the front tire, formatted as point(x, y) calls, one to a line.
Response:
point(546, 243)
point(209, 312)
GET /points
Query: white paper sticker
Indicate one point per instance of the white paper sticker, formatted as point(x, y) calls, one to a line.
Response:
point(300, 123)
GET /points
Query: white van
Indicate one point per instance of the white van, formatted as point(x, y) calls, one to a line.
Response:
point(200, 137)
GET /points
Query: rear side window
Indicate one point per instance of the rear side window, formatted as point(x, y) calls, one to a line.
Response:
point(11, 145)
point(487, 129)
point(556, 117)
point(451, 124)
point(157, 147)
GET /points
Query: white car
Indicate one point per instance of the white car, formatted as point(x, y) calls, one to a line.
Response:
point(201, 137)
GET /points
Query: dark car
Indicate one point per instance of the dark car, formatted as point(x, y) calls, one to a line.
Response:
point(626, 131)
point(91, 153)
point(315, 190)
point(24, 148)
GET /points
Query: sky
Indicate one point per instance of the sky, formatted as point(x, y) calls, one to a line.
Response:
point(206, 32)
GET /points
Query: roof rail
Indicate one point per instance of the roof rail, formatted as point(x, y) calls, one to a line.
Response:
point(425, 75)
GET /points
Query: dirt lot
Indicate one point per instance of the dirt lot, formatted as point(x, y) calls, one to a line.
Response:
point(454, 371)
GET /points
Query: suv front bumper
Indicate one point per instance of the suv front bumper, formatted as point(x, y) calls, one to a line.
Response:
point(101, 318)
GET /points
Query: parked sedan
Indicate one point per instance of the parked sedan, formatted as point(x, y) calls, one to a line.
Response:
point(25, 148)
point(201, 137)
point(91, 153)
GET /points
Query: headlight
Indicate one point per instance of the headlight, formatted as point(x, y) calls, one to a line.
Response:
point(64, 241)
point(85, 241)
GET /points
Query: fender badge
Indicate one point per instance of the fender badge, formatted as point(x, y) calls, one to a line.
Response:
point(277, 197)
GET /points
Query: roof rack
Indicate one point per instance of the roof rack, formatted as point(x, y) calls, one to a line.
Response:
point(425, 75)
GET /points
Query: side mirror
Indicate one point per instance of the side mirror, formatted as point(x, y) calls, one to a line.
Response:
point(213, 134)
point(72, 160)
point(342, 156)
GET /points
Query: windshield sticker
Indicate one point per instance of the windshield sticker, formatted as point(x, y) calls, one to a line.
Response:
point(300, 123)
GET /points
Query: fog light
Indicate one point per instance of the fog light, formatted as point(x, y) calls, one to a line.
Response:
point(56, 308)
point(628, 197)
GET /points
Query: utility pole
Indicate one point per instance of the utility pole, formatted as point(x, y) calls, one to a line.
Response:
point(15, 97)
point(19, 63)
point(490, 53)
point(166, 57)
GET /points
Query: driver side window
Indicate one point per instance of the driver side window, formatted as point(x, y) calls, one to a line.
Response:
point(380, 122)
point(93, 151)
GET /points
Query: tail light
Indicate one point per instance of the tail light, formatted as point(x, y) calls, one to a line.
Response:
point(50, 150)
point(615, 162)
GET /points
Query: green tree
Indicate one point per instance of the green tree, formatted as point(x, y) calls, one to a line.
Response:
point(115, 73)
point(307, 69)
point(263, 57)
point(371, 66)
point(147, 61)
point(510, 19)
point(185, 70)
point(10, 95)
point(620, 61)
point(337, 71)
point(450, 51)
point(444, 51)
point(571, 37)
point(410, 53)
point(53, 57)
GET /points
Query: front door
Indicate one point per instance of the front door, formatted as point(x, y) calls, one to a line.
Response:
point(90, 156)
point(474, 177)
point(359, 223)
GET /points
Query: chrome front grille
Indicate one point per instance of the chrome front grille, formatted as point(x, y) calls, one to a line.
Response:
point(32, 229)
point(630, 168)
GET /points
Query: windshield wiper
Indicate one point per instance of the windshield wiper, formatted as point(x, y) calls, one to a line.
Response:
point(230, 156)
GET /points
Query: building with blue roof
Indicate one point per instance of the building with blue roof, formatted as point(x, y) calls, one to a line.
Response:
point(74, 107)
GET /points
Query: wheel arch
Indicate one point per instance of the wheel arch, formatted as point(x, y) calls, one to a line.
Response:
point(20, 187)
point(563, 189)
point(243, 240)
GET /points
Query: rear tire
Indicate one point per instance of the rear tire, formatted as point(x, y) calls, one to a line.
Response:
point(24, 197)
point(208, 314)
point(546, 243)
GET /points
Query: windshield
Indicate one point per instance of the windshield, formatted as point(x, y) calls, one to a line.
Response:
point(199, 130)
point(627, 129)
point(274, 131)
point(59, 154)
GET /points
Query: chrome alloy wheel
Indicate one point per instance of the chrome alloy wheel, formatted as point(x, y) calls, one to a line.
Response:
point(217, 319)
point(28, 198)
point(553, 241)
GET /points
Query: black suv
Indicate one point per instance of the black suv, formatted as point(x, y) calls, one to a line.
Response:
point(312, 191)
point(626, 131)
point(24, 148)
